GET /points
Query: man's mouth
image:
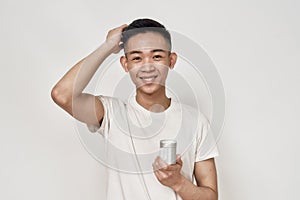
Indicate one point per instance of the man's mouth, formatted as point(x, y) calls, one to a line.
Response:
point(148, 78)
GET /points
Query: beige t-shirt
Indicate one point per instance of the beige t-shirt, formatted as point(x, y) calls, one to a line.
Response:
point(131, 136)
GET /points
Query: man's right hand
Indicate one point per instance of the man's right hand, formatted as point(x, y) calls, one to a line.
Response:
point(113, 38)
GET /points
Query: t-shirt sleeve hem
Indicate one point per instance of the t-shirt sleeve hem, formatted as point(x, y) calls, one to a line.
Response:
point(100, 129)
point(213, 155)
point(214, 152)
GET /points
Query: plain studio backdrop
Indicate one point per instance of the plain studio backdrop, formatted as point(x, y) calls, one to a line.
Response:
point(254, 45)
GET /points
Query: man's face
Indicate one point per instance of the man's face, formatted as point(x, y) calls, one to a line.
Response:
point(148, 59)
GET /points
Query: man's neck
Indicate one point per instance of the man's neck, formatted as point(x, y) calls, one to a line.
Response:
point(156, 102)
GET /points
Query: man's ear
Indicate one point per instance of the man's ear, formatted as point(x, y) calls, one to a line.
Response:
point(173, 59)
point(123, 61)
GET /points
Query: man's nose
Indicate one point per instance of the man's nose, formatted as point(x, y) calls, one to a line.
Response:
point(149, 67)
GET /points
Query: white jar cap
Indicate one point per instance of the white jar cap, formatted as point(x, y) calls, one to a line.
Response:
point(168, 143)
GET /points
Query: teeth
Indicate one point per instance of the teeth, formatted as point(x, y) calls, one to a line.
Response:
point(148, 78)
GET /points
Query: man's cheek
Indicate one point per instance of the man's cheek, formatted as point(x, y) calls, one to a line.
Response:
point(134, 78)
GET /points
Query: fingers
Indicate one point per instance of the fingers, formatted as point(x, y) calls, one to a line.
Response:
point(159, 164)
point(113, 38)
point(160, 175)
point(116, 32)
point(123, 26)
point(119, 28)
point(158, 169)
point(169, 175)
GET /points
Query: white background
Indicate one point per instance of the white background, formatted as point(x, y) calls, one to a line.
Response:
point(254, 44)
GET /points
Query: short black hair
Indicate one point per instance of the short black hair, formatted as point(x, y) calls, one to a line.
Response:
point(143, 26)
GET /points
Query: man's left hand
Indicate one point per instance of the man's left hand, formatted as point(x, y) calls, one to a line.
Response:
point(169, 175)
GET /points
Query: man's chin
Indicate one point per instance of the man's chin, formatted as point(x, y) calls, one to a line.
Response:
point(149, 88)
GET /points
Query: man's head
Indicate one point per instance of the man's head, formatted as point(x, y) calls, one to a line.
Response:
point(148, 56)
point(144, 26)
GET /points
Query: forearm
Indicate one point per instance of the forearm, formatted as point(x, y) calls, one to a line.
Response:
point(188, 191)
point(76, 79)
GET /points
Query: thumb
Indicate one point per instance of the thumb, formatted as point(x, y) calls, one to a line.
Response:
point(178, 159)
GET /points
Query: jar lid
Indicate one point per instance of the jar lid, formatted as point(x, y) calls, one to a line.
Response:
point(168, 143)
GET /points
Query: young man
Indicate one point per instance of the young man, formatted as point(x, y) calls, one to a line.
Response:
point(128, 125)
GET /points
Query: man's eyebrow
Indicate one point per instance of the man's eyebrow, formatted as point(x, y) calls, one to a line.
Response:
point(152, 51)
point(158, 50)
point(133, 52)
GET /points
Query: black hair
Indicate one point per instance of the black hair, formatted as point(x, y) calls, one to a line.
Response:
point(144, 26)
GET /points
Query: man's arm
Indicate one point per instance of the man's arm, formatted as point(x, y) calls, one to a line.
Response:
point(205, 174)
point(67, 93)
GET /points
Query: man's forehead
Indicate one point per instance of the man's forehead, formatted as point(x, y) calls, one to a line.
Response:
point(147, 42)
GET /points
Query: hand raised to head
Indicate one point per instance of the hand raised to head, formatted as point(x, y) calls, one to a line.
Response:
point(113, 38)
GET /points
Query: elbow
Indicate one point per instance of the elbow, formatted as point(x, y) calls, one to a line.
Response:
point(59, 97)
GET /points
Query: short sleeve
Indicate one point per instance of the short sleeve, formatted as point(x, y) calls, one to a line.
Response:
point(104, 127)
point(206, 145)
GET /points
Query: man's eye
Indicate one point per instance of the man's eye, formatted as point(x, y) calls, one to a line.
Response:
point(157, 57)
point(136, 58)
